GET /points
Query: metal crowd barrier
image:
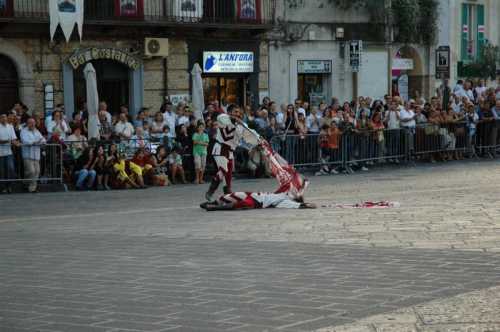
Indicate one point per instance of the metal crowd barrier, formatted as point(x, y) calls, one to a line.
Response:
point(402, 144)
point(51, 165)
point(486, 138)
point(434, 138)
point(375, 145)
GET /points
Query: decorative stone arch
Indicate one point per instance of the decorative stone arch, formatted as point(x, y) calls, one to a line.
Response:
point(24, 71)
point(416, 77)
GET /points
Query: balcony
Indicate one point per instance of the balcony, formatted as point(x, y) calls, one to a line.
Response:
point(250, 14)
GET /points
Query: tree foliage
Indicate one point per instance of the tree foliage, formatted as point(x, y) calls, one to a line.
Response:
point(486, 64)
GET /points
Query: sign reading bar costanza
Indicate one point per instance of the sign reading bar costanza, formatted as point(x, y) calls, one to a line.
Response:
point(81, 57)
point(228, 62)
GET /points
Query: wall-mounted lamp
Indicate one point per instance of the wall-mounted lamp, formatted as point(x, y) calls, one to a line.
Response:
point(339, 33)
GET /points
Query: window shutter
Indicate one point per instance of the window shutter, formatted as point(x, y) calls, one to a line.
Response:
point(465, 31)
point(481, 29)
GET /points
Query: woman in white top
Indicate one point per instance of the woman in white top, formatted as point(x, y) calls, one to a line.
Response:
point(58, 126)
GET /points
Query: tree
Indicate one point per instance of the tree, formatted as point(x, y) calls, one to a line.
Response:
point(486, 64)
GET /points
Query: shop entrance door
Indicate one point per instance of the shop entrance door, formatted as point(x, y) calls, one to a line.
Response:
point(112, 84)
point(311, 88)
point(9, 91)
point(231, 89)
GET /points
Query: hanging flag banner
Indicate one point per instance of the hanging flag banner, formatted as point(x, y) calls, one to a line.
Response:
point(129, 8)
point(66, 13)
point(249, 10)
point(188, 10)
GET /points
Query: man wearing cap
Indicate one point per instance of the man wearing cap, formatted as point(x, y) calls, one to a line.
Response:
point(8, 138)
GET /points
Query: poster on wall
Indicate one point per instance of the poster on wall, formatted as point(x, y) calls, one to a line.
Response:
point(66, 13)
point(249, 10)
point(188, 10)
point(403, 86)
point(129, 8)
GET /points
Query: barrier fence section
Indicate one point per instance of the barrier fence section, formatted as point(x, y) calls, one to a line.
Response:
point(486, 138)
point(50, 162)
point(436, 138)
point(428, 140)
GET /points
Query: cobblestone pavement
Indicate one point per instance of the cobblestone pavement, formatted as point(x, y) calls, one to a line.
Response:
point(153, 261)
point(474, 311)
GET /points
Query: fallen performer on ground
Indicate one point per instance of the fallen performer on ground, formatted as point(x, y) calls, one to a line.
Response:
point(249, 200)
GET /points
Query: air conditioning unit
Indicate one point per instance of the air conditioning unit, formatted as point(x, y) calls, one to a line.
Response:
point(156, 47)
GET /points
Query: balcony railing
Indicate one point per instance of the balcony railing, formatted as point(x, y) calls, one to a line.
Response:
point(211, 12)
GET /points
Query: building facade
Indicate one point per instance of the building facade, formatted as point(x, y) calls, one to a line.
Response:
point(310, 50)
point(464, 26)
point(132, 70)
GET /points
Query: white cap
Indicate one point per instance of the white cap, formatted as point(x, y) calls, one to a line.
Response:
point(302, 111)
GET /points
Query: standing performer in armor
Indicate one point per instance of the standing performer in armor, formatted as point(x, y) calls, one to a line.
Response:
point(229, 134)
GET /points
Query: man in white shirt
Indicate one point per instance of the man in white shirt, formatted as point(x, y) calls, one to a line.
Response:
point(313, 121)
point(480, 89)
point(182, 114)
point(170, 118)
point(468, 90)
point(456, 104)
point(123, 128)
point(31, 139)
point(7, 139)
point(391, 116)
point(407, 118)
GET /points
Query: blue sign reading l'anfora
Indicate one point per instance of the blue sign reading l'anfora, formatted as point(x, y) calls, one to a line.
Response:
point(228, 62)
point(210, 62)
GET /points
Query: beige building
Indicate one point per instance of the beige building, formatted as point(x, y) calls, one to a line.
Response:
point(465, 25)
point(142, 54)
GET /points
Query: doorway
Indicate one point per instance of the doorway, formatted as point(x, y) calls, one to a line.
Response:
point(9, 84)
point(311, 88)
point(231, 89)
point(112, 84)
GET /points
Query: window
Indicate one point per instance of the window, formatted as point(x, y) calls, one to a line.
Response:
point(473, 31)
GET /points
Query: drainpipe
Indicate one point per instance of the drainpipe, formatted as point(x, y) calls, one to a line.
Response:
point(165, 78)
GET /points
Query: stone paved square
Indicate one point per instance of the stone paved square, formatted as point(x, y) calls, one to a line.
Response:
point(153, 261)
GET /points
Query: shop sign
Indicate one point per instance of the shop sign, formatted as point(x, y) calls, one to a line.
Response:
point(228, 62)
point(355, 53)
point(443, 62)
point(176, 99)
point(402, 64)
point(81, 57)
point(314, 66)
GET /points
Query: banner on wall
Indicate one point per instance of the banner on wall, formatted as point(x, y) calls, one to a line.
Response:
point(6, 7)
point(129, 8)
point(66, 13)
point(249, 10)
point(188, 10)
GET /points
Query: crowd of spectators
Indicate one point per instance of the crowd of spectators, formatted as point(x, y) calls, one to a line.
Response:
point(171, 145)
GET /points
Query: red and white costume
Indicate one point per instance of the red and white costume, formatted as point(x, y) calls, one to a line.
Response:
point(249, 200)
point(227, 139)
